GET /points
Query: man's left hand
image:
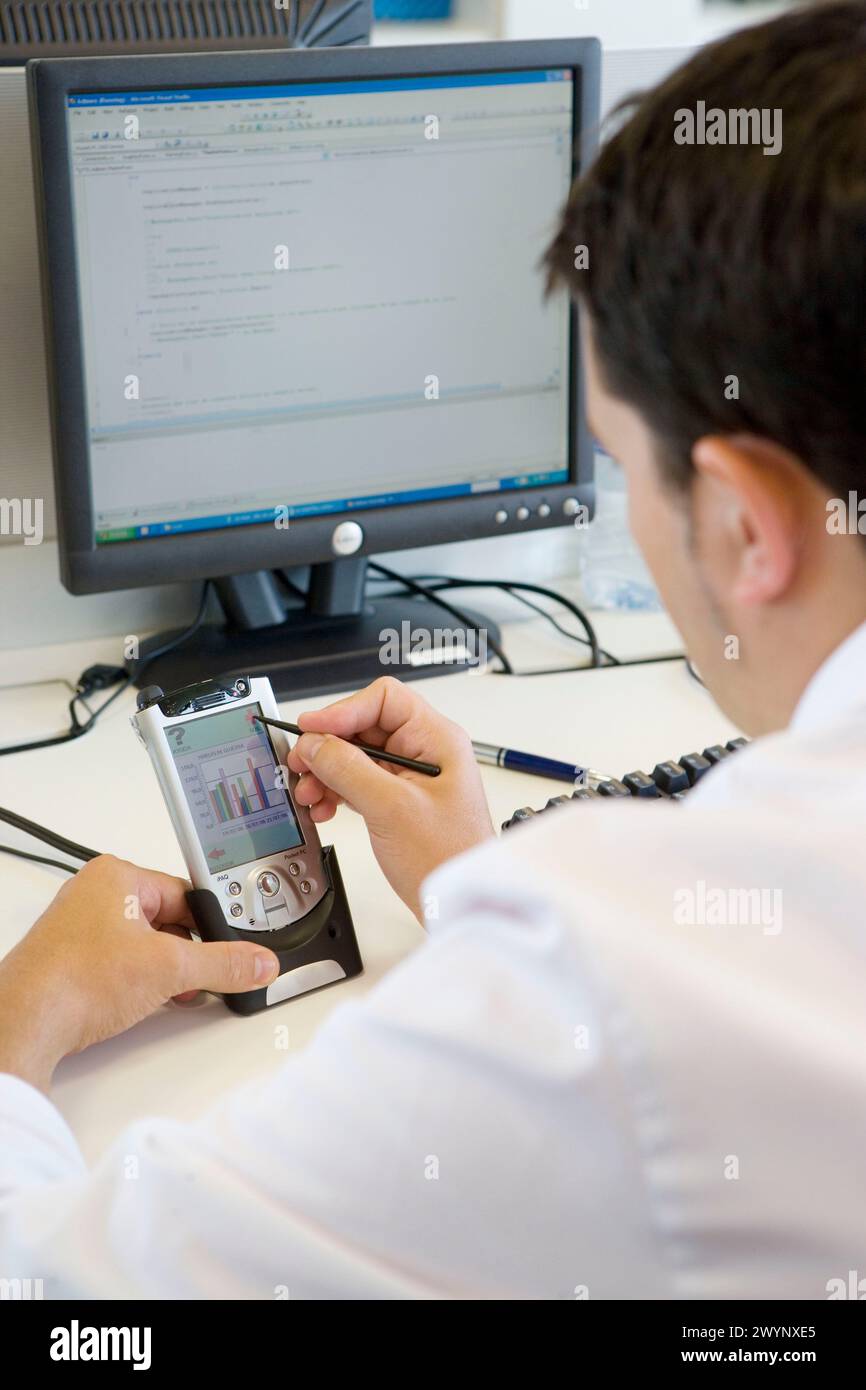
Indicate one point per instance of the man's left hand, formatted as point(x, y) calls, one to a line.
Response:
point(112, 947)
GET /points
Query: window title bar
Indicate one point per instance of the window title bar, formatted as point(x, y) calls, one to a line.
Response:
point(313, 89)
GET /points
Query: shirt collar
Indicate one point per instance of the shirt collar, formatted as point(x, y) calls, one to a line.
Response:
point(837, 686)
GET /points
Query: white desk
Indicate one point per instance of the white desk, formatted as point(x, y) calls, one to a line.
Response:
point(101, 791)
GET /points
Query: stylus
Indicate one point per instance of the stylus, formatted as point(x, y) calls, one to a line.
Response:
point(429, 769)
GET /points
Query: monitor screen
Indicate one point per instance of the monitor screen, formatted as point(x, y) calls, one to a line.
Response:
point(318, 298)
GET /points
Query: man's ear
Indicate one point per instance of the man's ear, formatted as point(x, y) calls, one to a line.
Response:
point(752, 501)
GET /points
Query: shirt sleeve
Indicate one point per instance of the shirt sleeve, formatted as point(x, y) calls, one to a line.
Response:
point(459, 1132)
point(36, 1144)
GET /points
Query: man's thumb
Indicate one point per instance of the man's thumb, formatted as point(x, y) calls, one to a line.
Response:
point(343, 768)
point(227, 967)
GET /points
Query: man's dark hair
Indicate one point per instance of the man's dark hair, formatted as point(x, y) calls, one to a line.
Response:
point(706, 261)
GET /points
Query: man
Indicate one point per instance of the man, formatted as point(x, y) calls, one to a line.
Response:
point(630, 1060)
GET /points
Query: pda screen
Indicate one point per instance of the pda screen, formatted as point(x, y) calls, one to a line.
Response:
point(232, 783)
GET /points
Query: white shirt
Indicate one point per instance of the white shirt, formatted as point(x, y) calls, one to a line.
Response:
point(569, 1091)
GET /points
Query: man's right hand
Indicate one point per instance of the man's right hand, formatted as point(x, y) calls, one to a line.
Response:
point(415, 822)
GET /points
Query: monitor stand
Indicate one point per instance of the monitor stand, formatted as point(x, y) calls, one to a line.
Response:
point(314, 631)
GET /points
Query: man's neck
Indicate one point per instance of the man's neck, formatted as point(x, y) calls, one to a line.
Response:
point(791, 661)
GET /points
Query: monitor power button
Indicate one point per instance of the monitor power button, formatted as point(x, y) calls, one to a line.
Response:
point(348, 537)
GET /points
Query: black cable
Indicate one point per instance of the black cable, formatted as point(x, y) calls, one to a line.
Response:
point(143, 664)
point(654, 660)
point(42, 742)
point(429, 594)
point(50, 837)
point(516, 587)
point(512, 586)
point(41, 832)
point(555, 623)
point(620, 665)
point(694, 672)
point(39, 859)
point(445, 581)
point(78, 727)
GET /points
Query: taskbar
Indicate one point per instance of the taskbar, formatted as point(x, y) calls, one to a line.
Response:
point(283, 512)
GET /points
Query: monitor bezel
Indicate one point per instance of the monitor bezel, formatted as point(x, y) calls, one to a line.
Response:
point(86, 567)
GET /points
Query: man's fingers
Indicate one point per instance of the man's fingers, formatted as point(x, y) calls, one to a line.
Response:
point(163, 898)
point(188, 995)
point(387, 714)
point(386, 704)
point(224, 967)
point(133, 892)
point(348, 772)
point(325, 809)
point(320, 801)
point(308, 789)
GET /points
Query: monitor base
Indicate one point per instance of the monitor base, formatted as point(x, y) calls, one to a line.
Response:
point(308, 654)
